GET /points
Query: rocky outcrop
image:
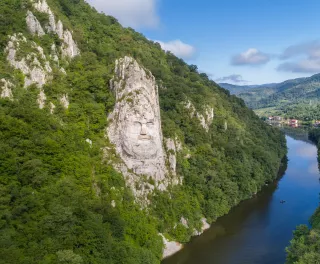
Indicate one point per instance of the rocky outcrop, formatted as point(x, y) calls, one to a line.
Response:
point(41, 99)
point(135, 123)
point(204, 119)
point(69, 47)
point(29, 58)
point(173, 146)
point(34, 25)
point(184, 222)
point(52, 107)
point(204, 227)
point(205, 224)
point(63, 71)
point(29, 64)
point(42, 6)
point(5, 87)
point(54, 53)
point(64, 100)
point(89, 141)
point(170, 247)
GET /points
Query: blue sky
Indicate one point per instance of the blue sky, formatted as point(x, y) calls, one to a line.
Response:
point(249, 41)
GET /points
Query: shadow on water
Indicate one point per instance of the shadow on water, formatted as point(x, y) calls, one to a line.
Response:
point(297, 133)
point(258, 230)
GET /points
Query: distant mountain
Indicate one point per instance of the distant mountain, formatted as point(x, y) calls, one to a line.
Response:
point(297, 97)
point(237, 89)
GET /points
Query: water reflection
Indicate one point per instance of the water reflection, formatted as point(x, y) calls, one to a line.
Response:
point(258, 230)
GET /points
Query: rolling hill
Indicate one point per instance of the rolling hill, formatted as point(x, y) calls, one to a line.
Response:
point(297, 98)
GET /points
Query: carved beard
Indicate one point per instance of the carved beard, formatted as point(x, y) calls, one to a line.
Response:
point(140, 149)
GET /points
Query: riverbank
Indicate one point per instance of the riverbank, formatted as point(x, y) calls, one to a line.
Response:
point(258, 230)
point(305, 245)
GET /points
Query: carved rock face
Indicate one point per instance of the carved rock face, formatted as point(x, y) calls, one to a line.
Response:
point(135, 127)
point(140, 134)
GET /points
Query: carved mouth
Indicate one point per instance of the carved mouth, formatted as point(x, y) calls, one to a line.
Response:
point(144, 137)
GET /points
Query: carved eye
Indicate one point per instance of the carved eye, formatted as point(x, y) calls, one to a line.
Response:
point(150, 124)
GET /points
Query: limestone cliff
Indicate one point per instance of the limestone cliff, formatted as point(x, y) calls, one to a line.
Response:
point(69, 47)
point(205, 119)
point(173, 146)
point(135, 125)
point(33, 65)
point(25, 55)
point(34, 25)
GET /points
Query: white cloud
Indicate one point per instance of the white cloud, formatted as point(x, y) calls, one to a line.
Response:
point(302, 66)
point(178, 48)
point(236, 78)
point(132, 13)
point(310, 49)
point(250, 57)
point(309, 64)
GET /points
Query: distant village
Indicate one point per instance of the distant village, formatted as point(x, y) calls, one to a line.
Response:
point(289, 122)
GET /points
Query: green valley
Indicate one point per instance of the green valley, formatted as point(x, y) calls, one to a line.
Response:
point(297, 98)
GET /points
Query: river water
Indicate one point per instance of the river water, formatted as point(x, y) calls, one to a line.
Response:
point(258, 230)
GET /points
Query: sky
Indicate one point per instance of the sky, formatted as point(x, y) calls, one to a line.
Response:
point(234, 41)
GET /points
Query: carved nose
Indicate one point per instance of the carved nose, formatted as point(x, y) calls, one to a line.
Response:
point(143, 130)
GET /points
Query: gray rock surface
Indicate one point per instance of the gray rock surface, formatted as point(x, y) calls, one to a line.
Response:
point(173, 146)
point(34, 71)
point(204, 119)
point(6, 87)
point(184, 222)
point(64, 100)
point(34, 25)
point(204, 227)
point(170, 247)
point(135, 123)
point(41, 99)
point(52, 107)
point(69, 47)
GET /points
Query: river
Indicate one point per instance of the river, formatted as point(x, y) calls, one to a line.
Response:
point(258, 230)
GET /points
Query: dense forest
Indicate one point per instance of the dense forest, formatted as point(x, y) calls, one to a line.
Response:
point(305, 246)
point(297, 98)
point(57, 190)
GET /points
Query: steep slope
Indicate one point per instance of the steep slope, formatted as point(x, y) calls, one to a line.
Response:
point(108, 142)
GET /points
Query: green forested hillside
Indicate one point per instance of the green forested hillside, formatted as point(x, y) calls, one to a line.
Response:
point(57, 190)
point(297, 98)
point(240, 89)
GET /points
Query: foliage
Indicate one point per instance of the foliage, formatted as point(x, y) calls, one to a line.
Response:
point(297, 98)
point(56, 202)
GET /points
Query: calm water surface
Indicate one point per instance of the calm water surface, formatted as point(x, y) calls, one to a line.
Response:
point(258, 230)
